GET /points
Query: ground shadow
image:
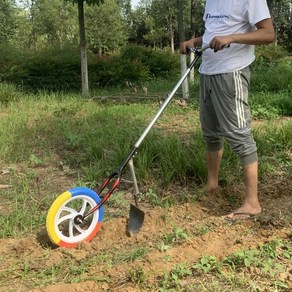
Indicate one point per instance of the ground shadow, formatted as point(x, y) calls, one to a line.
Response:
point(44, 240)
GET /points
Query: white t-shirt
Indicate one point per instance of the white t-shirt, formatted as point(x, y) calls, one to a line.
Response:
point(224, 17)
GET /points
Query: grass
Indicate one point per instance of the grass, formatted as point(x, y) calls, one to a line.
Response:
point(268, 262)
point(98, 137)
point(88, 139)
point(137, 254)
point(94, 138)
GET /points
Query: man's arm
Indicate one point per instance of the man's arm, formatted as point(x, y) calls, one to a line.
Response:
point(191, 43)
point(264, 34)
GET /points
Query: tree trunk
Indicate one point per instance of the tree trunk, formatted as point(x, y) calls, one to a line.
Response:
point(193, 17)
point(183, 62)
point(83, 54)
point(171, 39)
point(33, 30)
point(170, 27)
point(193, 21)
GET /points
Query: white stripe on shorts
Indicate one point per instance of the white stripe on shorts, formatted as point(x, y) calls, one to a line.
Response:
point(239, 98)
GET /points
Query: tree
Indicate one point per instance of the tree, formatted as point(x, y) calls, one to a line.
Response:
point(106, 28)
point(139, 28)
point(83, 53)
point(183, 62)
point(126, 9)
point(155, 22)
point(44, 23)
point(196, 18)
point(281, 11)
point(7, 20)
point(55, 22)
point(164, 13)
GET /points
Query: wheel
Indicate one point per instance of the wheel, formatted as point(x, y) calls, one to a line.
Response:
point(60, 224)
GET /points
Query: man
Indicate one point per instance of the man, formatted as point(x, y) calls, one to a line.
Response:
point(224, 110)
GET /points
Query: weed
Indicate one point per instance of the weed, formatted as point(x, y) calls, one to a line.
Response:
point(34, 160)
point(92, 139)
point(132, 256)
point(265, 260)
point(201, 230)
point(161, 246)
point(137, 276)
point(78, 270)
point(9, 93)
point(171, 281)
point(118, 200)
point(153, 198)
point(264, 113)
point(178, 234)
point(206, 264)
point(48, 125)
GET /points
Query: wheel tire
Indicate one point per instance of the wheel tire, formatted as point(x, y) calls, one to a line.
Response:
point(60, 225)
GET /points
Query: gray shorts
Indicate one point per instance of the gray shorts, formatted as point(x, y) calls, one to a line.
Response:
point(225, 114)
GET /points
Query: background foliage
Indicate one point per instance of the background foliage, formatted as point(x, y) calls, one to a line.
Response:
point(39, 41)
point(35, 24)
point(56, 69)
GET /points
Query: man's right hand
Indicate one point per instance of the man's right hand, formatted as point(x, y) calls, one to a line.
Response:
point(183, 48)
point(191, 43)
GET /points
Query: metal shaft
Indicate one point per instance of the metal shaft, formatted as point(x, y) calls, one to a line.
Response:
point(168, 99)
point(164, 105)
point(133, 175)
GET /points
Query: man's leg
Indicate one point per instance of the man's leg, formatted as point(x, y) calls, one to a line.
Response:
point(251, 203)
point(211, 133)
point(213, 165)
point(232, 111)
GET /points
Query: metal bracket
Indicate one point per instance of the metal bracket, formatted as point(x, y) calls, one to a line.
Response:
point(134, 179)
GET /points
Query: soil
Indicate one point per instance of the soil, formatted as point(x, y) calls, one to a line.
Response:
point(201, 217)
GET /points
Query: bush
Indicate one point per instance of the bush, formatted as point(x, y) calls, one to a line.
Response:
point(59, 70)
point(9, 93)
point(269, 54)
point(115, 71)
point(275, 77)
point(49, 69)
point(272, 70)
point(164, 64)
point(159, 63)
point(54, 70)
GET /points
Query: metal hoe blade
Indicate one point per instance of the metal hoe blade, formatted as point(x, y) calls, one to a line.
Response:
point(136, 219)
point(136, 216)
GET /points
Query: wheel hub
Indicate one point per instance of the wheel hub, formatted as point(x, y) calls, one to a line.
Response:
point(78, 219)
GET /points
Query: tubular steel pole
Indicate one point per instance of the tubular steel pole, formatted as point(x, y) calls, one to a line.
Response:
point(168, 99)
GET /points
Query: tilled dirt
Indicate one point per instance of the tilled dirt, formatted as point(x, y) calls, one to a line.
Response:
point(109, 265)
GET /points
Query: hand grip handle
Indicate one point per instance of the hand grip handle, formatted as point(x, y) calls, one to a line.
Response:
point(201, 50)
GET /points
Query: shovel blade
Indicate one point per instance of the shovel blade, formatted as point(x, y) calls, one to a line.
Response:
point(136, 219)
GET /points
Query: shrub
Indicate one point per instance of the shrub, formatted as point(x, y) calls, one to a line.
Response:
point(49, 69)
point(272, 70)
point(272, 78)
point(115, 71)
point(160, 63)
point(9, 93)
point(135, 52)
point(54, 70)
point(59, 69)
point(270, 53)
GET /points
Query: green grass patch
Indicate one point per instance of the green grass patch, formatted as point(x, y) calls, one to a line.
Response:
point(93, 138)
point(265, 268)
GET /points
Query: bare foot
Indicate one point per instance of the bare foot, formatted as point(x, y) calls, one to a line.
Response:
point(212, 188)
